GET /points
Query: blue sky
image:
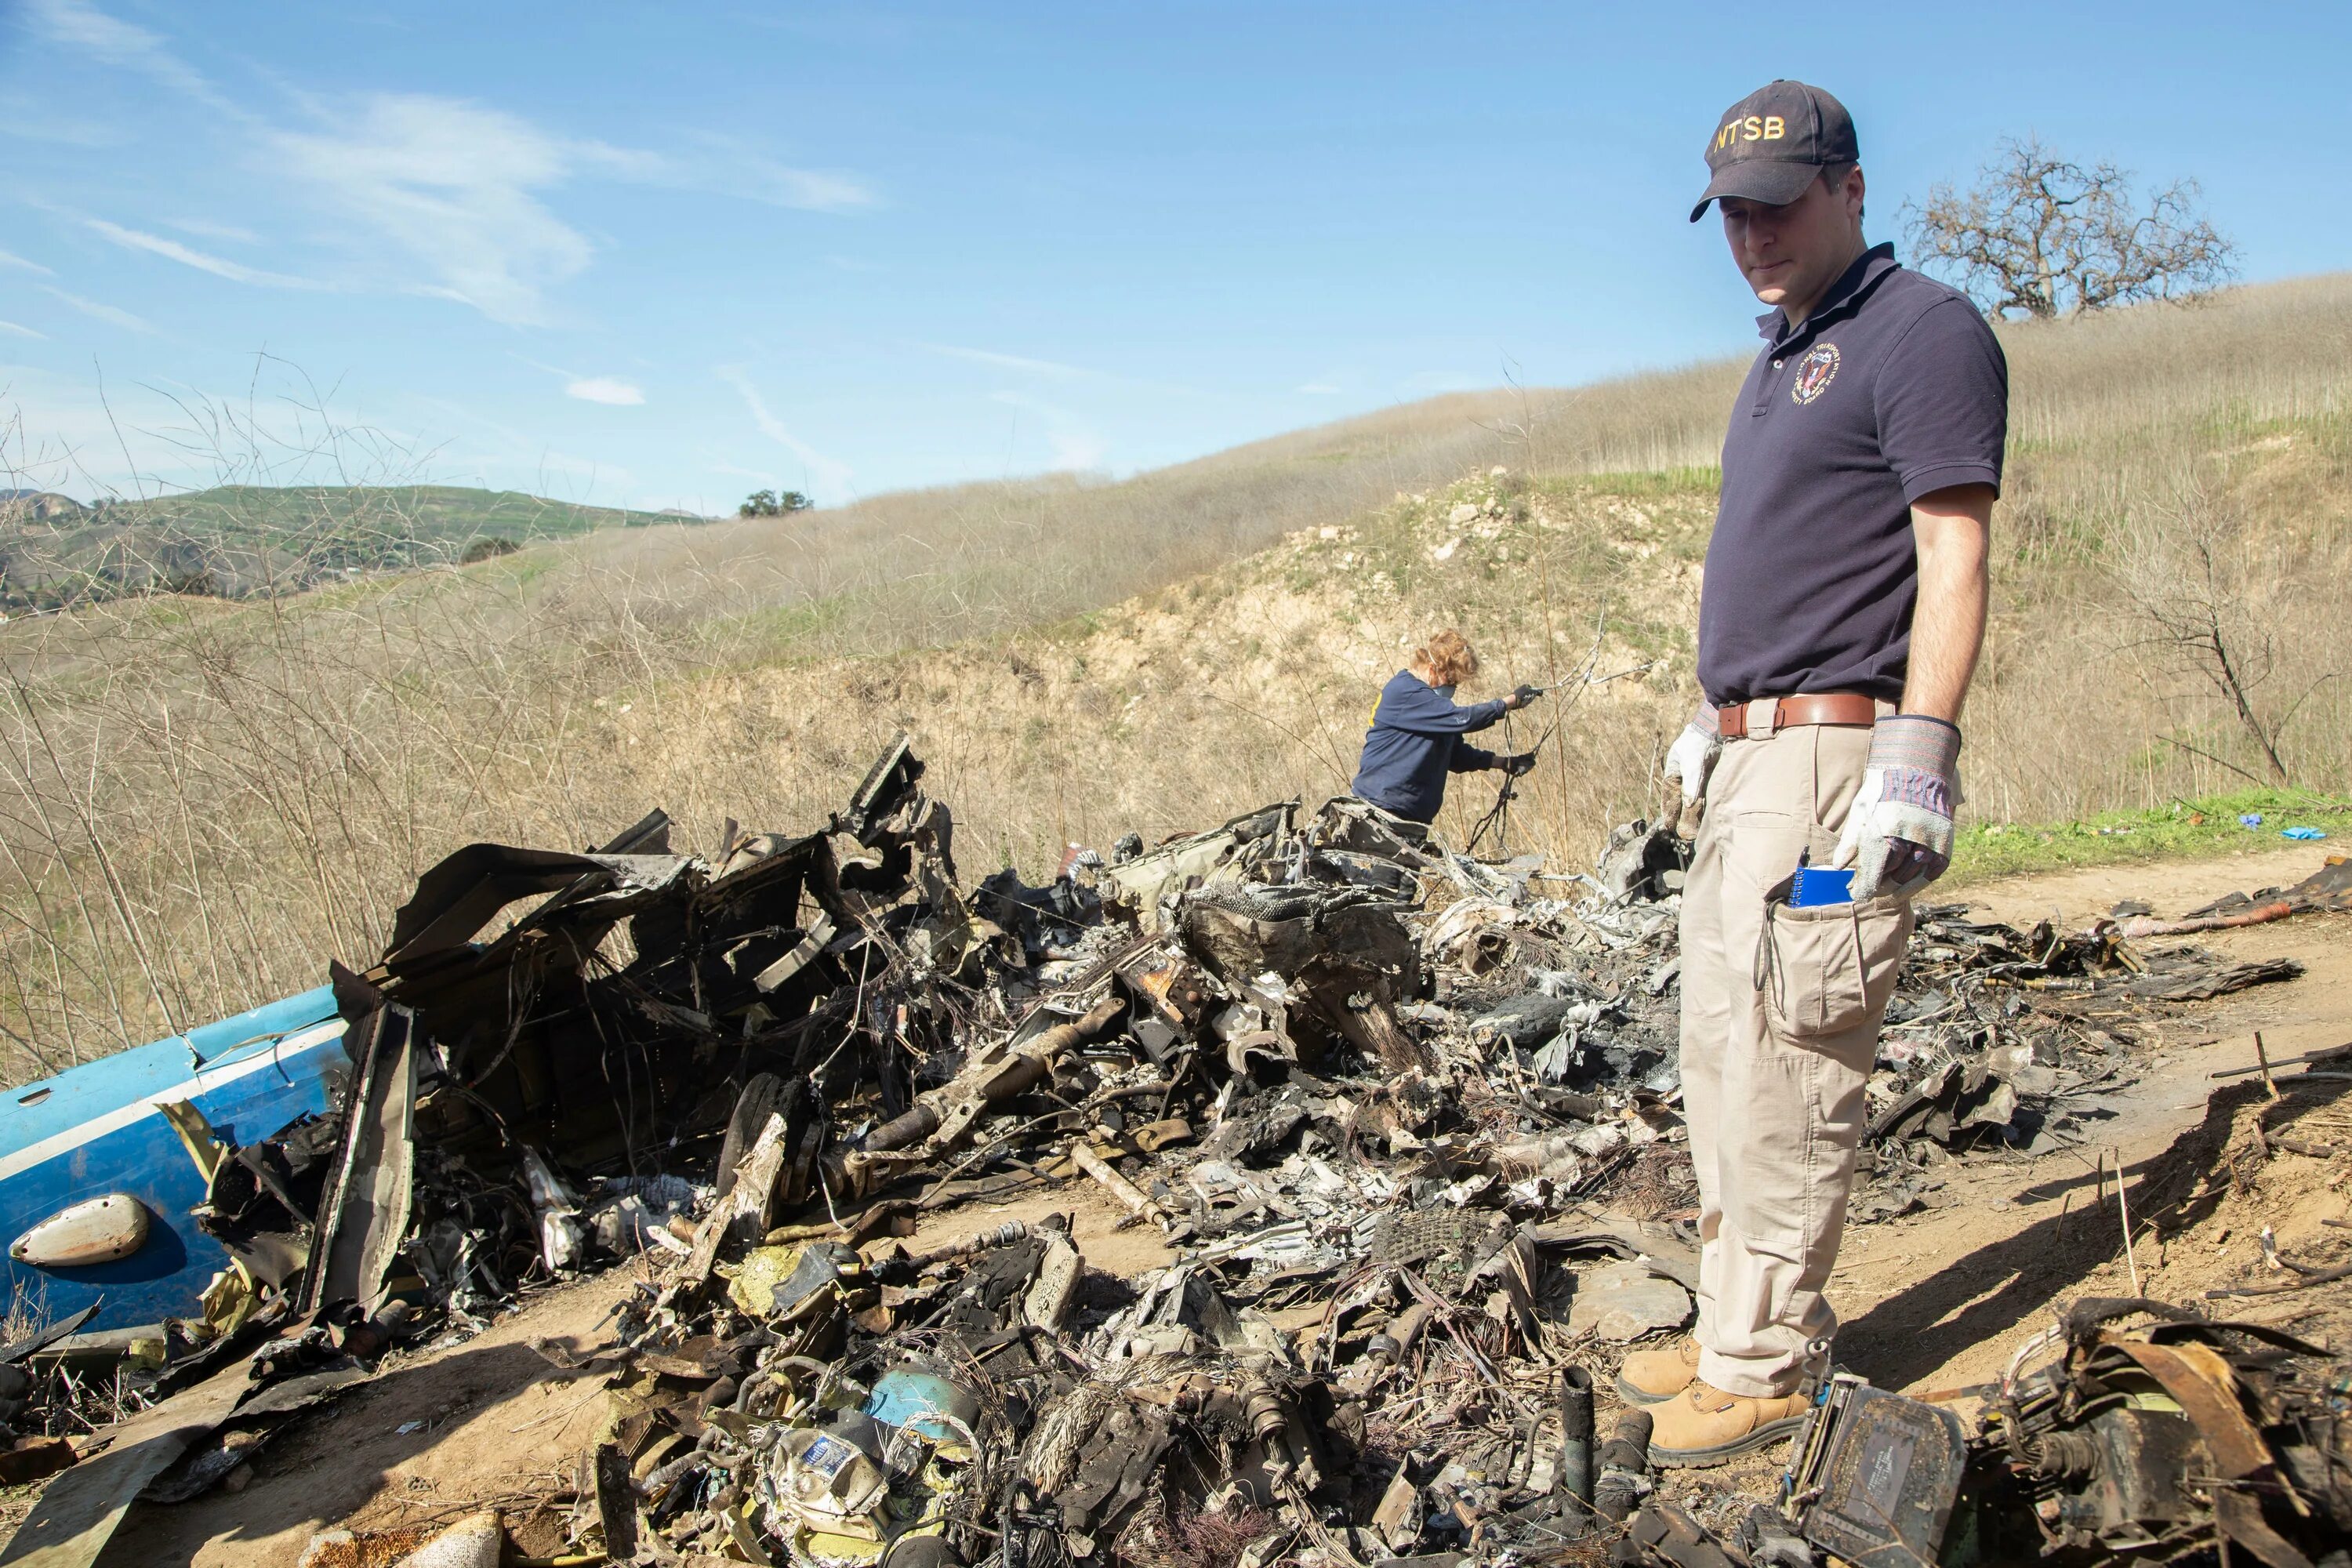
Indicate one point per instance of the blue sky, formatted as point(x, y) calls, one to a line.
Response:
point(662, 255)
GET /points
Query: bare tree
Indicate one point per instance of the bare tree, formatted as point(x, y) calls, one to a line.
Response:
point(2196, 585)
point(2038, 235)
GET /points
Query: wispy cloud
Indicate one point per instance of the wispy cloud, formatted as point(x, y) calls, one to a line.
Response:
point(14, 329)
point(204, 228)
point(1050, 369)
point(8, 260)
point(172, 250)
point(456, 188)
point(1073, 446)
point(758, 179)
point(453, 185)
point(79, 26)
point(606, 389)
point(449, 184)
point(30, 117)
point(102, 312)
point(829, 476)
point(1015, 362)
point(728, 166)
point(460, 188)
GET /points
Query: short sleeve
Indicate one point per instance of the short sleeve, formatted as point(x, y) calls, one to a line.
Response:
point(1943, 402)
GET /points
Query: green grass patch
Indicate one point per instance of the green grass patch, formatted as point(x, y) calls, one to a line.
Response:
point(518, 570)
point(775, 634)
point(406, 513)
point(236, 541)
point(1072, 628)
point(1639, 484)
point(2184, 830)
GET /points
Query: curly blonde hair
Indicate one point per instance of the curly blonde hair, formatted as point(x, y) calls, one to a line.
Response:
point(1445, 660)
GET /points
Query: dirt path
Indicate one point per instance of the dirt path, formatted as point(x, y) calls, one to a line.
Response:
point(1945, 1297)
point(2170, 887)
point(1932, 1301)
point(424, 1443)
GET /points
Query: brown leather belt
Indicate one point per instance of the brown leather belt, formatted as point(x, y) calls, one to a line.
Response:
point(1844, 707)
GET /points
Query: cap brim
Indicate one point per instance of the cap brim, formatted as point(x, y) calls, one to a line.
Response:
point(1772, 181)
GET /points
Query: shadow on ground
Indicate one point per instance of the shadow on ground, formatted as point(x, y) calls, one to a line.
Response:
point(1985, 1294)
point(329, 1463)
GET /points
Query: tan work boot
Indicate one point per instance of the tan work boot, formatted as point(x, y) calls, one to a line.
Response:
point(1702, 1425)
point(1652, 1377)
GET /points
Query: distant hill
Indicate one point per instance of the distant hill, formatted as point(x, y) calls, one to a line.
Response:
point(237, 541)
point(250, 790)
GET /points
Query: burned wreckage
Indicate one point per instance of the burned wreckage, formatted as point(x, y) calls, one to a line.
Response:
point(1406, 1121)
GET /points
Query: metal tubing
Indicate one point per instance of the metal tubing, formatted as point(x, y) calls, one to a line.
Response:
point(1138, 1203)
point(1574, 1472)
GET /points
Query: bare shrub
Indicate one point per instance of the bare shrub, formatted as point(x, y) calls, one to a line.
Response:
point(2199, 589)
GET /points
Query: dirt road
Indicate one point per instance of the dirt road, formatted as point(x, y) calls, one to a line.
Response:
point(1945, 1297)
point(1934, 1300)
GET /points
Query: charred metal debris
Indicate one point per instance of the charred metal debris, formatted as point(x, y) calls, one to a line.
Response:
point(2179, 1440)
point(1407, 1120)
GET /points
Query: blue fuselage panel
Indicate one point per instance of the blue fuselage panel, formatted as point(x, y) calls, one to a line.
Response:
point(96, 1130)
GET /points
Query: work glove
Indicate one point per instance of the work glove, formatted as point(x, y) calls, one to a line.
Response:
point(1516, 763)
point(1523, 696)
point(1689, 761)
point(1898, 832)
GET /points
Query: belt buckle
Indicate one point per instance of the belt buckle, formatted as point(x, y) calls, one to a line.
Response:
point(1763, 717)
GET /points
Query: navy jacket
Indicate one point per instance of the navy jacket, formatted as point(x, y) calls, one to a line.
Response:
point(1414, 742)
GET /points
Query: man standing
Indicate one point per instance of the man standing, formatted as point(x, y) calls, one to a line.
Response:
point(1843, 610)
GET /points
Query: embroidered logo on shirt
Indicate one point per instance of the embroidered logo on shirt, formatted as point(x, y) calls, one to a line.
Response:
point(1814, 373)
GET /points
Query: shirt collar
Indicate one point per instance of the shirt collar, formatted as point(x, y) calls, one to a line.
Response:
point(1856, 281)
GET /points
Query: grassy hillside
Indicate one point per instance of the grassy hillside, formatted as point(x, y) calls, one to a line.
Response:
point(439, 514)
point(206, 798)
point(236, 541)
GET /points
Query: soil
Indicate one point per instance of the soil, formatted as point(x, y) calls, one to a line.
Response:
point(493, 1423)
point(2171, 887)
point(1944, 1298)
point(1106, 1237)
point(1931, 1301)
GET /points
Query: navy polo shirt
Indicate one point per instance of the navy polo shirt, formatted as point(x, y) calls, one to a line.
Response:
point(1893, 388)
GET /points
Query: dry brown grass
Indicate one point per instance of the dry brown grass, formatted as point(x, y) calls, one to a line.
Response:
point(203, 801)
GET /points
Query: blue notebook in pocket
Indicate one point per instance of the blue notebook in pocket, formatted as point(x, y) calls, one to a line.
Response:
point(1817, 885)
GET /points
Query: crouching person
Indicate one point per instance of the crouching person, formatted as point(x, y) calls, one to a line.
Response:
point(1416, 737)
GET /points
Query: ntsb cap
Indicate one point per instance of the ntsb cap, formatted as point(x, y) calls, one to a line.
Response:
point(1774, 142)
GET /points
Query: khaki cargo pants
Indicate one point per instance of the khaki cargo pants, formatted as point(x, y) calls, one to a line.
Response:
point(1780, 1027)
